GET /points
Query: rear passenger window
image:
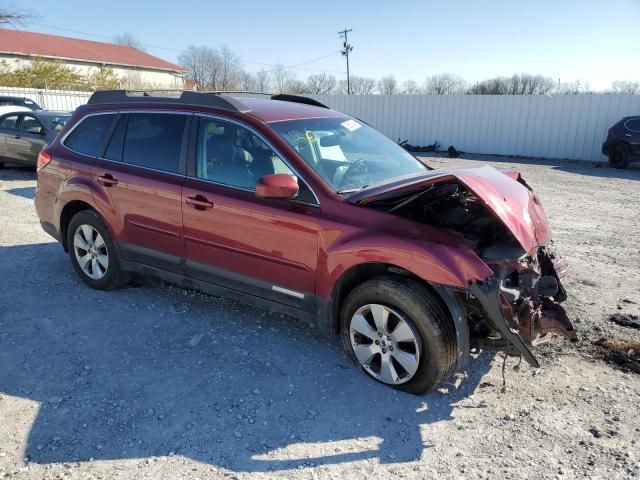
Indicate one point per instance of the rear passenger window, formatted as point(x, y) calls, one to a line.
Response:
point(88, 137)
point(633, 124)
point(154, 140)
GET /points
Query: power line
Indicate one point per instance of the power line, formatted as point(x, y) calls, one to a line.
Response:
point(346, 49)
point(290, 67)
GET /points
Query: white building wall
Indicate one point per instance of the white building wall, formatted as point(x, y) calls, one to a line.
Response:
point(131, 77)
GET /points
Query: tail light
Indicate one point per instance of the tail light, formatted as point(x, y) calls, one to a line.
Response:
point(44, 159)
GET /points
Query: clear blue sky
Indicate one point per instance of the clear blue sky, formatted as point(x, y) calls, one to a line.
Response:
point(592, 40)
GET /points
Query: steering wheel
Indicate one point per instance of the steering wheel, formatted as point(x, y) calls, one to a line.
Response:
point(359, 167)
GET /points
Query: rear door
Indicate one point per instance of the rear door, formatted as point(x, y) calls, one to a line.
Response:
point(268, 248)
point(138, 180)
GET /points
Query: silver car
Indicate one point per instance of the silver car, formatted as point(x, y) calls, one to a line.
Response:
point(24, 133)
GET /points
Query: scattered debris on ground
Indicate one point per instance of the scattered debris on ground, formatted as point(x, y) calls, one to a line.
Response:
point(434, 147)
point(626, 320)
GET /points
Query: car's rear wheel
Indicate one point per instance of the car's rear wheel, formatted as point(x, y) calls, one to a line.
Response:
point(399, 333)
point(93, 253)
point(618, 156)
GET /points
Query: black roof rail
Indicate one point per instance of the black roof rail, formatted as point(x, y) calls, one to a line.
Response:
point(285, 97)
point(217, 98)
point(185, 97)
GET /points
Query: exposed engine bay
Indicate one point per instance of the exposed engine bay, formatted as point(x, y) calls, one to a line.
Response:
point(519, 305)
point(450, 206)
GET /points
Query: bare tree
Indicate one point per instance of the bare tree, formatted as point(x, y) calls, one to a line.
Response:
point(247, 82)
point(321, 83)
point(625, 87)
point(281, 78)
point(523, 84)
point(230, 70)
point(388, 85)
point(444, 84)
point(14, 17)
point(262, 81)
point(410, 87)
point(128, 40)
point(295, 86)
point(202, 64)
point(571, 88)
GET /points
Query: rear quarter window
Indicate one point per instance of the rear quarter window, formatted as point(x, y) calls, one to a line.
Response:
point(633, 124)
point(89, 136)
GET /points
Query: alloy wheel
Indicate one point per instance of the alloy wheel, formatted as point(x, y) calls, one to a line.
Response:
point(385, 343)
point(91, 252)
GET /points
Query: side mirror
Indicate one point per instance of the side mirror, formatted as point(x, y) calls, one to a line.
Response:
point(277, 185)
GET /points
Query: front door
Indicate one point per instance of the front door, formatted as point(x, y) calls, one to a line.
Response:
point(267, 248)
point(30, 139)
point(139, 178)
point(9, 134)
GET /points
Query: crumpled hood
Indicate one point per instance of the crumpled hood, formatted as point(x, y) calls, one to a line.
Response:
point(517, 207)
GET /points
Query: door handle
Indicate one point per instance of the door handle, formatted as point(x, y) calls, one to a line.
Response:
point(199, 202)
point(107, 180)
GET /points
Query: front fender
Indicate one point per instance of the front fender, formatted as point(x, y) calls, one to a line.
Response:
point(448, 265)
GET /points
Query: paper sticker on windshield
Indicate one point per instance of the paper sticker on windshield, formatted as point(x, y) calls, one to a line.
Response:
point(351, 125)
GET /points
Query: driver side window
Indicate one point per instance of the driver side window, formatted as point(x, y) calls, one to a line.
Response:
point(233, 155)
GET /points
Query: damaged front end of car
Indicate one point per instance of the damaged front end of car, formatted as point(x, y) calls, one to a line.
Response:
point(498, 217)
point(519, 305)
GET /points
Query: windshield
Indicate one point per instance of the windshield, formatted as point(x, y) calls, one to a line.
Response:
point(55, 122)
point(346, 153)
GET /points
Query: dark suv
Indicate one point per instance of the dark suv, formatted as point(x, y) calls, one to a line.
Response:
point(293, 206)
point(622, 145)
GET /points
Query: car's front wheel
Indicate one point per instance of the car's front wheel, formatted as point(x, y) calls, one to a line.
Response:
point(93, 253)
point(619, 156)
point(399, 333)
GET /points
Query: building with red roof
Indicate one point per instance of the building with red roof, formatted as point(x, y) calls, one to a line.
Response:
point(136, 69)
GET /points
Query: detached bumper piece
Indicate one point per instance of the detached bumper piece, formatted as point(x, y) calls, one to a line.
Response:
point(523, 303)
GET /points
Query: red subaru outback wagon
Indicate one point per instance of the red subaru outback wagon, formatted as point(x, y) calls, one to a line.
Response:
point(293, 206)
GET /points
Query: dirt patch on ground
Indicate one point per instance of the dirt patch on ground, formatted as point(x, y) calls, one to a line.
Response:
point(623, 355)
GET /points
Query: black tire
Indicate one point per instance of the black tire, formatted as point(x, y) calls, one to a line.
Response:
point(114, 276)
point(618, 156)
point(1, 165)
point(423, 312)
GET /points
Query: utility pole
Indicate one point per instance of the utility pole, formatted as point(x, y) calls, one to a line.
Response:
point(346, 48)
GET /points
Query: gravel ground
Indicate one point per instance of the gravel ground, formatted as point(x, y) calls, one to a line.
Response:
point(157, 382)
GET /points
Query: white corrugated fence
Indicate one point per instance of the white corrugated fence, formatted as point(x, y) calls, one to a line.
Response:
point(560, 127)
point(49, 99)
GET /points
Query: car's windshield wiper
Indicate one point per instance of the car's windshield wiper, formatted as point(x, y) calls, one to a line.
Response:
point(351, 190)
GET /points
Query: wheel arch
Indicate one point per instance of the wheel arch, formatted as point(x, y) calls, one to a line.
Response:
point(362, 272)
point(68, 212)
